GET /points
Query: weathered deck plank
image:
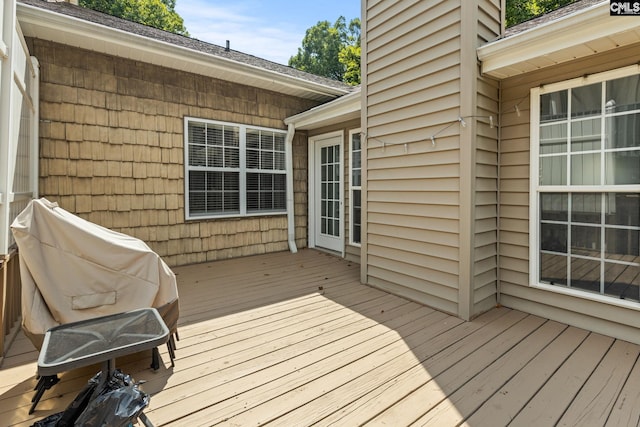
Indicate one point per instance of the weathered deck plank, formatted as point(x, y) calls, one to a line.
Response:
point(505, 402)
point(594, 402)
point(548, 405)
point(295, 339)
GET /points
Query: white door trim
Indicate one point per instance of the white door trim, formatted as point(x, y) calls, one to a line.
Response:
point(313, 209)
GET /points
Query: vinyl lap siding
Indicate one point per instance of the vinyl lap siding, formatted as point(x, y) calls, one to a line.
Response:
point(413, 54)
point(485, 271)
point(488, 21)
point(486, 199)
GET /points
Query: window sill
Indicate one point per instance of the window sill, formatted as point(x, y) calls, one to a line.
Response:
point(234, 216)
point(616, 302)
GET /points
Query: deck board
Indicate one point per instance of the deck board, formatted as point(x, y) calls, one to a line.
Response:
point(549, 404)
point(594, 402)
point(295, 339)
point(505, 402)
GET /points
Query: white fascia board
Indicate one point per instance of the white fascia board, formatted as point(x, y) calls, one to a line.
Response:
point(110, 40)
point(573, 30)
point(330, 112)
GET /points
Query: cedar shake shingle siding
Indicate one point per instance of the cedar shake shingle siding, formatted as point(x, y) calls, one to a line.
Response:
point(111, 136)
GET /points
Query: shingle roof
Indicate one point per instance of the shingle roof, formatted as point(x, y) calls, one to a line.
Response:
point(99, 18)
point(551, 16)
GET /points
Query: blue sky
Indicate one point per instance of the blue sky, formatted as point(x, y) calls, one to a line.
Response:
point(269, 29)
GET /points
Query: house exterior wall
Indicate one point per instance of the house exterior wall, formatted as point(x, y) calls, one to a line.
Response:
point(424, 239)
point(112, 140)
point(485, 206)
point(485, 188)
point(515, 292)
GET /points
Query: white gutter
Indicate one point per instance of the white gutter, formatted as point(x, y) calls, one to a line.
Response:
point(328, 112)
point(291, 218)
point(90, 35)
point(564, 33)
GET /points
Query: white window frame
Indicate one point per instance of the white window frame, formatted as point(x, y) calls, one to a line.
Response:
point(535, 188)
point(243, 171)
point(353, 188)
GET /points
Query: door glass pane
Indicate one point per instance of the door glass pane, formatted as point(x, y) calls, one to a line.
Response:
point(330, 190)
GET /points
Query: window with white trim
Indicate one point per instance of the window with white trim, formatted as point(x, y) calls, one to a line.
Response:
point(355, 186)
point(585, 205)
point(233, 169)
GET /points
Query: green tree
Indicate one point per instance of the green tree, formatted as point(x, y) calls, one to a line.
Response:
point(518, 11)
point(334, 50)
point(349, 55)
point(331, 51)
point(154, 13)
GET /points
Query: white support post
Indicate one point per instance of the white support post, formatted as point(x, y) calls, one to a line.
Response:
point(34, 150)
point(7, 35)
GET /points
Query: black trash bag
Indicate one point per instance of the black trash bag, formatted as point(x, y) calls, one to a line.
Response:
point(49, 421)
point(117, 403)
point(68, 417)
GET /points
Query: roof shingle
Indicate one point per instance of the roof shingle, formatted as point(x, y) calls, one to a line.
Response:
point(549, 17)
point(99, 18)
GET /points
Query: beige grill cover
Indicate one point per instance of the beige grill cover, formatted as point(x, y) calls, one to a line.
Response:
point(72, 269)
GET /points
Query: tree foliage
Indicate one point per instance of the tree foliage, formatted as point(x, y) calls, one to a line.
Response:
point(331, 51)
point(154, 13)
point(334, 50)
point(518, 11)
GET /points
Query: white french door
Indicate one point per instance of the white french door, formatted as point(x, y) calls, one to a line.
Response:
point(326, 208)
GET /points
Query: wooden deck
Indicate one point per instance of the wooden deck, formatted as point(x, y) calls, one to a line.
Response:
point(296, 340)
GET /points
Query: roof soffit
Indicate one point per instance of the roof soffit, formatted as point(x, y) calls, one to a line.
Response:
point(337, 111)
point(587, 32)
